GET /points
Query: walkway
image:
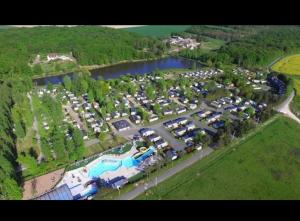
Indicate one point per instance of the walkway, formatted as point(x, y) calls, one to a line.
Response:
point(284, 108)
point(165, 175)
point(35, 128)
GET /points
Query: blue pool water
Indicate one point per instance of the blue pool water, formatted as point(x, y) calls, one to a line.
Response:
point(129, 162)
point(113, 164)
point(103, 166)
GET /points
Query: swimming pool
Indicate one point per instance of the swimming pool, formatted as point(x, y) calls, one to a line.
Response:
point(103, 166)
point(110, 164)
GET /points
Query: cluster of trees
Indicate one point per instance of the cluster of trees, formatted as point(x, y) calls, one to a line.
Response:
point(218, 32)
point(11, 93)
point(253, 50)
point(89, 45)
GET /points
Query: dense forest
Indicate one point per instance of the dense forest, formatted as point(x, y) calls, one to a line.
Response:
point(89, 45)
point(12, 92)
point(253, 50)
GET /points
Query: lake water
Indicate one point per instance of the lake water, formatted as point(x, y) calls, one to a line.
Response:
point(118, 70)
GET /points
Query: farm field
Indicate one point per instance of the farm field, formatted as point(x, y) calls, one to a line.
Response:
point(288, 65)
point(157, 30)
point(263, 166)
point(295, 104)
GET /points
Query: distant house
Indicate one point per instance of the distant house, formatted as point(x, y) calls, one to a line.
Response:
point(193, 106)
point(215, 104)
point(180, 131)
point(181, 120)
point(187, 138)
point(171, 154)
point(190, 126)
point(167, 112)
point(181, 110)
point(54, 56)
point(154, 137)
point(121, 125)
point(170, 124)
point(135, 119)
point(153, 117)
point(203, 113)
point(145, 132)
point(218, 124)
point(161, 143)
point(115, 114)
point(133, 111)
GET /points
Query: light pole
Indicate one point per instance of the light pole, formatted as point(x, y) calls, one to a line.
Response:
point(118, 187)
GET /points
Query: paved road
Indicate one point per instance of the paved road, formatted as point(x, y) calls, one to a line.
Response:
point(75, 116)
point(284, 108)
point(161, 130)
point(165, 175)
point(35, 127)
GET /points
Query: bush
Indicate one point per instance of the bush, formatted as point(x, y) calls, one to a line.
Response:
point(136, 177)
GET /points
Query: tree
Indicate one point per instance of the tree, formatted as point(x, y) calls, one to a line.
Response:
point(150, 92)
point(194, 66)
point(58, 143)
point(33, 153)
point(49, 86)
point(83, 86)
point(90, 96)
point(67, 82)
point(131, 89)
point(156, 109)
point(144, 115)
point(209, 63)
point(198, 138)
point(250, 111)
point(102, 136)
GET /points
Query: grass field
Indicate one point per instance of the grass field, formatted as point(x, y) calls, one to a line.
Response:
point(288, 65)
point(157, 30)
point(291, 65)
point(211, 44)
point(266, 165)
point(295, 105)
point(104, 145)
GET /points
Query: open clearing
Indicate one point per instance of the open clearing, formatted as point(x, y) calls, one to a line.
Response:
point(211, 44)
point(288, 65)
point(157, 30)
point(264, 166)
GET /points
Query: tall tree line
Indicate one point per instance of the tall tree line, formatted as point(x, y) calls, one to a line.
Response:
point(90, 45)
point(9, 179)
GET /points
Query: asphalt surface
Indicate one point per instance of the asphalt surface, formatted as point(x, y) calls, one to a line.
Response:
point(284, 108)
point(165, 175)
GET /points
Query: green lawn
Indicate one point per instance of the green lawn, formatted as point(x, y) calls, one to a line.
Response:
point(157, 30)
point(266, 165)
point(104, 145)
point(211, 44)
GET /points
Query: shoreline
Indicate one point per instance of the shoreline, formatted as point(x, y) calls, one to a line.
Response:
point(94, 67)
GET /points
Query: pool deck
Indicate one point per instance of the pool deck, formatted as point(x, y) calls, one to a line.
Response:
point(75, 179)
point(131, 152)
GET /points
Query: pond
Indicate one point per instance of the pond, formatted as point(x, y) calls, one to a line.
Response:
point(134, 68)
